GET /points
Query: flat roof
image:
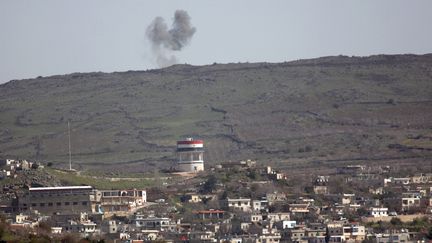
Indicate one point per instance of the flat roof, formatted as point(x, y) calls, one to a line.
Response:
point(208, 211)
point(59, 188)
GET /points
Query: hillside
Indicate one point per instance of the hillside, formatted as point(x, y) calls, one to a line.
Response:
point(325, 109)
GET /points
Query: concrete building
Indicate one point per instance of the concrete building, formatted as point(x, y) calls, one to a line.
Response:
point(259, 205)
point(190, 155)
point(53, 200)
point(114, 201)
point(242, 204)
point(356, 233)
point(163, 224)
point(395, 238)
point(83, 226)
point(347, 198)
point(378, 212)
point(77, 199)
point(410, 202)
point(209, 214)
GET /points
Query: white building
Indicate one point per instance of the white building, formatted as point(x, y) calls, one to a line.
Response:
point(378, 212)
point(242, 204)
point(190, 155)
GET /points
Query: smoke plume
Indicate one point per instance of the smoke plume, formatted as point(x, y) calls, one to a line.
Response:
point(167, 41)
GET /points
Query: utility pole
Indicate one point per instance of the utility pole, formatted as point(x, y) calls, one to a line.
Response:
point(70, 155)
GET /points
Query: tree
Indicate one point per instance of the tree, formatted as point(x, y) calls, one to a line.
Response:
point(210, 184)
point(396, 221)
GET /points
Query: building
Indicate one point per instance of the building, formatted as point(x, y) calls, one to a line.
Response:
point(320, 189)
point(163, 224)
point(277, 217)
point(83, 226)
point(356, 233)
point(378, 212)
point(347, 198)
point(410, 202)
point(190, 155)
point(209, 214)
point(57, 200)
point(299, 208)
point(242, 204)
point(396, 237)
point(351, 169)
point(113, 201)
point(259, 205)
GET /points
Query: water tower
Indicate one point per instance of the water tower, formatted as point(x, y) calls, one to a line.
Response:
point(190, 155)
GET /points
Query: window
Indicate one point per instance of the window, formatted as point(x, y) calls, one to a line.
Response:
point(50, 204)
point(58, 204)
point(84, 203)
point(75, 203)
point(67, 203)
point(42, 204)
point(33, 204)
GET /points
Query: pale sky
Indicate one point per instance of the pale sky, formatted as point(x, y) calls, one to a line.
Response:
point(48, 37)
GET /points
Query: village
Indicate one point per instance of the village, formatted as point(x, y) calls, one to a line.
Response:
point(237, 202)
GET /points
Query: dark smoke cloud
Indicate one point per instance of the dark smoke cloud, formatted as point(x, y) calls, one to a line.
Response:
point(165, 42)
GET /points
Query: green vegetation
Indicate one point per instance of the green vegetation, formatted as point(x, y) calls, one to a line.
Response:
point(417, 225)
point(72, 179)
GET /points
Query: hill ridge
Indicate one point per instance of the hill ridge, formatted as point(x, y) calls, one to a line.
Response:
point(313, 109)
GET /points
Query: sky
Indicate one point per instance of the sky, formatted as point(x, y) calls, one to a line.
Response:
point(50, 37)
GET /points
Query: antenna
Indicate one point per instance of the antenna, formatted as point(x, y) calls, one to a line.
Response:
point(70, 155)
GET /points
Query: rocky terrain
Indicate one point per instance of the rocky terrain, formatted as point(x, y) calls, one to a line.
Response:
point(329, 109)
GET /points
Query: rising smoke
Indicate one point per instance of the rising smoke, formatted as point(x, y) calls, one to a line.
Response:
point(165, 42)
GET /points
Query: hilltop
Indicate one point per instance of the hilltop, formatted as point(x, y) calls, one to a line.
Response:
point(324, 110)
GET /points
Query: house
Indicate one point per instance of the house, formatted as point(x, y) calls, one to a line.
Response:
point(376, 191)
point(336, 230)
point(83, 226)
point(21, 218)
point(316, 232)
point(320, 189)
point(255, 218)
point(231, 239)
point(347, 199)
point(299, 208)
point(410, 202)
point(378, 212)
point(275, 175)
point(109, 227)
point(275, 197)
point(209, 214)
point(242, 204)
point(270, 237)
point(401, 181)
point(293, 234)
point(56, 230)
point(276, 217)
point(115, 201)
point(197, 198)
point(421, 178)
point(351, 169)
point(354, 232)
point(201, 236)
point(258, 205)
point(151, 222)
point(395, 237)
point(149, 235)
point(288, 224)
point(321, 180)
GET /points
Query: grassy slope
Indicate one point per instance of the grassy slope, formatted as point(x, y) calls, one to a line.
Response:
point(337, 107)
